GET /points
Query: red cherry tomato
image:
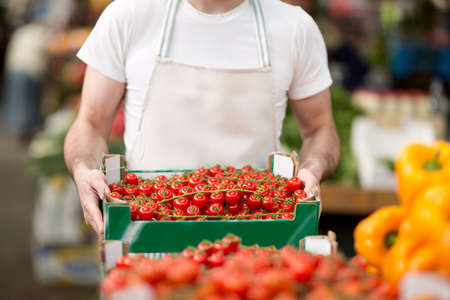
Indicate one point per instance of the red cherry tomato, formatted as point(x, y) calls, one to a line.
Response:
point(294, 183)
point(186, 190)
point(181, 203)
point(130, 191)
point(194, 180)
point(131, 179)
point(215, 209)
point(116, 188)
point(300, 194)
point(233, 208)
point(176, 187)
point(254, 201)
point(146, 213)
point(145, 189)
point(193, 210)
point(164, 194)
point(158, 186)
point(232, 197)
point(216, 259)
point(133, 212)
point(115, 195)
point(217, 197)
point(200, 200)
point(267, 203)
point(161, 178)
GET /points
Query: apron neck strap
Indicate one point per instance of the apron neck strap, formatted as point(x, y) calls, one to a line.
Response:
point(263, 44)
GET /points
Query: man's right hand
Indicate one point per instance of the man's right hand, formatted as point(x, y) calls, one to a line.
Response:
point(91, 185)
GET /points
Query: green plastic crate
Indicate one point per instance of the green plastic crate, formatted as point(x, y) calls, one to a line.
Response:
point(174, 236)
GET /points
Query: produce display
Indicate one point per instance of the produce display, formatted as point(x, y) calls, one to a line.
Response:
point(226, 269)
point(415, 235)
point(213, 193)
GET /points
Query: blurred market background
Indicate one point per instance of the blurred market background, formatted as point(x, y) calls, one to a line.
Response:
point(390, 62)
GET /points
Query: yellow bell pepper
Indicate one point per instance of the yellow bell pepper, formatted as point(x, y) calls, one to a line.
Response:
point(375, 234)
point(423, 242)
point(417, 166)
point(444, 251)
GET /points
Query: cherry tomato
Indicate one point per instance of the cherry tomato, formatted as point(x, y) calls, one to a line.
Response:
point(254, 201)
point(300, 194)
point(216, 259)
point(234, 208)
point(177, 214)
point(217, 197)
point(215, 209)
point(286, 215)
point(164, 194)
point(161, 178)
point(206, 247)
point(115, 195)
point(158, 186)
point(176, 187)
point(247, 168)
point(230, 169)
point(200, 200)
point(131, 179)
point(186, 190)
point(188, 252)
point(215, 170)
point(125, 262)
point(219, 246)
point(183, 180)
point(249, 185)
point(193, 210)
point(212, 180)
point(267, 203)
point(200, 257)
point(116, 188)
point(233, 240)
point(133, 212)
point(287, 207)
point(130, 191)
point(146, 213)
point(194, 180)
point(145, 189)
point(232, 197)
point(181, 203)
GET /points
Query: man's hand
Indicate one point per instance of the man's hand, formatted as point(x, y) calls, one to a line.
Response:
point(91, 186)
point(311, 184)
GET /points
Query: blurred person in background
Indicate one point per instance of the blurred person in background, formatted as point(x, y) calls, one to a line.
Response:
point(32, 25)
point(205, 83)
point(25, 70)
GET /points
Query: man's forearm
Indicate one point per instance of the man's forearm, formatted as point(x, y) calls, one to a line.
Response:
point(320, 152)
point(83, 147)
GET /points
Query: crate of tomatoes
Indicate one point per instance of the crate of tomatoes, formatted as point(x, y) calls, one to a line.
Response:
point(164, 211)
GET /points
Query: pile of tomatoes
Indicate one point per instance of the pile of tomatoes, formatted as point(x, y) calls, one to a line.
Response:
point(225, 269)
point(213, 193)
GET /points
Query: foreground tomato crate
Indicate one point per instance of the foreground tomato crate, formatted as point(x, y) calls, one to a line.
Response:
point(174, 236)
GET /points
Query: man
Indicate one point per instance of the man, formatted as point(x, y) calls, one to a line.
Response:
point(205, 82)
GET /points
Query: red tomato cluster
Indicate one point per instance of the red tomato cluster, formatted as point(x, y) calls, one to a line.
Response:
point(214, 193)
point(226, 269)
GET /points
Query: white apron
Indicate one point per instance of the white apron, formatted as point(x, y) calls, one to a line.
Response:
point(195, 116)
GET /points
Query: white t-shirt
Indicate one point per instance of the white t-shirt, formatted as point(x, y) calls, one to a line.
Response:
point(124, 42)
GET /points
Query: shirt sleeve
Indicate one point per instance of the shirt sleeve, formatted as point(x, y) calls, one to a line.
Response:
point(105, 48)
point(311, 72)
